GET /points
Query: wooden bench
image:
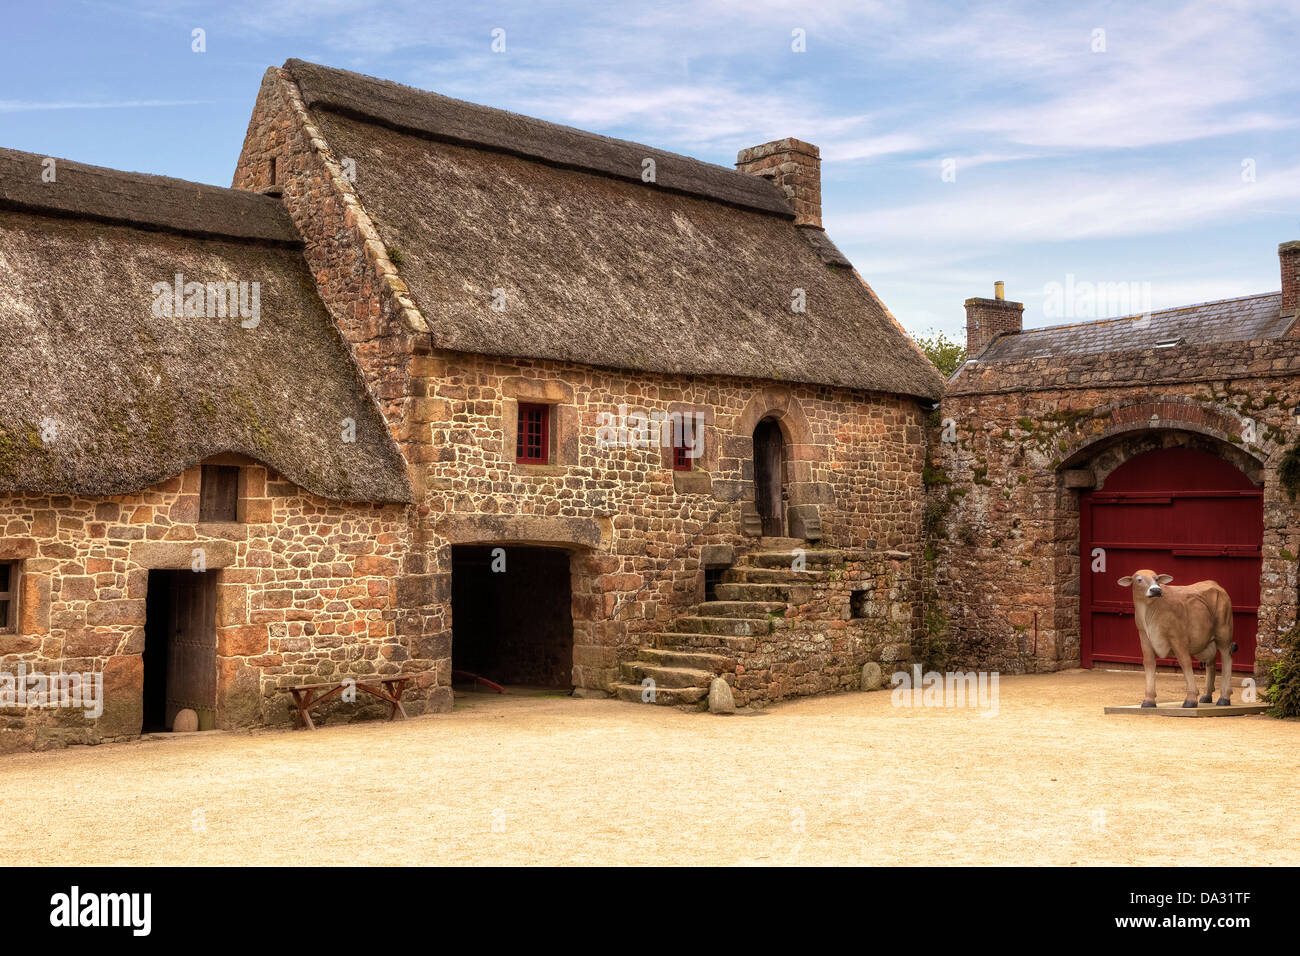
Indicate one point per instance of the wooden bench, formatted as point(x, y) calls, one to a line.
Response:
point(388, 688)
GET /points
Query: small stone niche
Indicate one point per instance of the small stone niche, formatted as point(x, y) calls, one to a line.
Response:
point(859, 601)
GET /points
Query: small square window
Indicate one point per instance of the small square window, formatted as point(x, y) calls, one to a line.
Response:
point(8, 596)
point(219, 493)
point(533, 436)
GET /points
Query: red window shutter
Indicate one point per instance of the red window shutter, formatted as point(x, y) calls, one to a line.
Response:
point(683, 439)
point(533, 437)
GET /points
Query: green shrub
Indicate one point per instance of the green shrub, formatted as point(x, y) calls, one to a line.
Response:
point(1284, 686)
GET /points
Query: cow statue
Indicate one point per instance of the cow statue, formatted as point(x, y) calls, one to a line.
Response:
point(1183, 622)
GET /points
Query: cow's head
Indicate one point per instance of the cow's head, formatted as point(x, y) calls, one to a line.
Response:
point(1146, 583)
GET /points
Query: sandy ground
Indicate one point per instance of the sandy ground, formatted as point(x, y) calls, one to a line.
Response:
point(843, 779)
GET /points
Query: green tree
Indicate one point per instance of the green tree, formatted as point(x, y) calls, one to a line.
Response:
point(943, 352)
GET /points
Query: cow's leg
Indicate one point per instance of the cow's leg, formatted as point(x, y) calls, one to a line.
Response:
point(1149, 667)
point(1208, 696)
point(1185, 662)
point(1225, 654)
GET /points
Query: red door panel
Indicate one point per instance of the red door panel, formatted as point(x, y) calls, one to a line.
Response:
point(1181, 512)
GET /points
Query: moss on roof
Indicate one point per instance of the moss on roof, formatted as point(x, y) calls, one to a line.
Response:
point(101, 396)
point(613, 272)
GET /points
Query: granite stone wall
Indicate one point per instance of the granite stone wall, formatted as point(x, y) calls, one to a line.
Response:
point(1029, 436)
point(306, 591)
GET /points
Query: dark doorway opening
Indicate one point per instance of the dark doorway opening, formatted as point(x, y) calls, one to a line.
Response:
point(511, 615)
point(180, 648)
point(769, 474)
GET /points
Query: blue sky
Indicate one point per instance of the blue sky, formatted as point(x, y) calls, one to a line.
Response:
point(1114, 165)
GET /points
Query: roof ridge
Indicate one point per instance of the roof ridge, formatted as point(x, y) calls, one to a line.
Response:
point(423, 112)
point(142, 200)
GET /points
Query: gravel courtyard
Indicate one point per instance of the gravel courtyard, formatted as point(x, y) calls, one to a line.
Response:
point(536, 779)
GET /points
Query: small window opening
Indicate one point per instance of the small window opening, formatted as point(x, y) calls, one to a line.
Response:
point(683, 444)
point(219, 493)
point(533, 437)
point(8, 596)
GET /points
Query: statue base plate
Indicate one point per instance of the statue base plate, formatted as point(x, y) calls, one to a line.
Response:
point(1175, 708)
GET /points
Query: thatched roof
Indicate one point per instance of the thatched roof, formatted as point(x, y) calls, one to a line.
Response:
point(100, 396)
point(693, 274)
point(146, 202)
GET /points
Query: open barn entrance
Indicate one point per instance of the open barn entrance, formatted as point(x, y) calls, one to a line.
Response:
point(511, 616)
point(180, 648)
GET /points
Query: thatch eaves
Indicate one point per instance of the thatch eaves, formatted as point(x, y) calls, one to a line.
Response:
point(102, 395)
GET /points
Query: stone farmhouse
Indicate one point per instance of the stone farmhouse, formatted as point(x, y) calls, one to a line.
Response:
point(1078, 453)
point(441, 390)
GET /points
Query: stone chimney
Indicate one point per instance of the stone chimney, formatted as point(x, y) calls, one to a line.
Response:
point(985, 318)
point(1288, 254)
point(796, 168)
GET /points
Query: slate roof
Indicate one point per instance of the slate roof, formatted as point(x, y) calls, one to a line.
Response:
point(1245, 319)
point(692, 274)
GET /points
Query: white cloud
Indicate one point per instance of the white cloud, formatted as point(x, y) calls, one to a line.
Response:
point(1063, 207)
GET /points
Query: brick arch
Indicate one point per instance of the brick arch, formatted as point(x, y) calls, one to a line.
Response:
point(778, 403)
point(1162, 422)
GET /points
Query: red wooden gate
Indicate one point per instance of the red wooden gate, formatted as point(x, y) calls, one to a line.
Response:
point(1177, 511)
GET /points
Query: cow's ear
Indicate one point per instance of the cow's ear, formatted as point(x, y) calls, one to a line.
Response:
point(1164, 579)
point(1125, 581)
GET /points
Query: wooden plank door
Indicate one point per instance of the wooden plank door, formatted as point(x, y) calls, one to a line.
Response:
point(769, 472)
point(192, 648)
point(1177, 511)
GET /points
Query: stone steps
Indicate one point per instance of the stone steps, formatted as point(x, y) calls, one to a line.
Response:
point(815, 560)
point(634, 672)
point(725, 626)
point(664, 696)
point(673, 656)
point(747, 575)
point(705, 643)
point(747, 609)
point(765, 593)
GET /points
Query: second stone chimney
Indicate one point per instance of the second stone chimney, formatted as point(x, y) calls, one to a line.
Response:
point(796, 168)
point(985, 318)
point(1288, 254)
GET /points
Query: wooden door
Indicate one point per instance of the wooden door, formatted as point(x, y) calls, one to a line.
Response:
point(1178, 511)
point(769, 472)
point(192, 647)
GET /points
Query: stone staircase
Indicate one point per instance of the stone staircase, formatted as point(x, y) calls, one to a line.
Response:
point(711, 639)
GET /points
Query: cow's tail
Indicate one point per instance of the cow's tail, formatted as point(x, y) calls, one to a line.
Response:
point(1232, 648)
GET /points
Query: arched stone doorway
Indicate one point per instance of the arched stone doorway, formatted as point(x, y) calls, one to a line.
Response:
point(769, 476)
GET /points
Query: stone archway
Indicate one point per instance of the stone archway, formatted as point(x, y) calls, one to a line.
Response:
point(1136, 429)
point(802, 498)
